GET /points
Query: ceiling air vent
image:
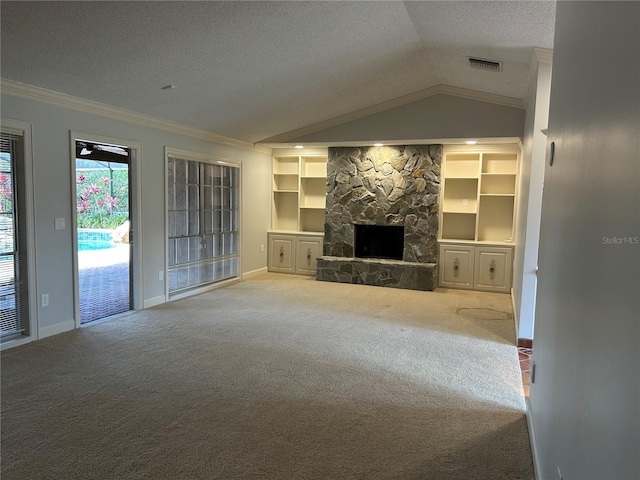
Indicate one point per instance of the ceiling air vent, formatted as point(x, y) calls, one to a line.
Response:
point(483, 64)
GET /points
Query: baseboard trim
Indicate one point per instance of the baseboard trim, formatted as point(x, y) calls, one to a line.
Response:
point(206, 288)
point(532, 441)
point(516, 320)
point(57, 328)
point(152, 302)
point(254, 273)
point(16, 343)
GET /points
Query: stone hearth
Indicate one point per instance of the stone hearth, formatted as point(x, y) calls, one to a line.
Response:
point(397, 185)
point(379, 273)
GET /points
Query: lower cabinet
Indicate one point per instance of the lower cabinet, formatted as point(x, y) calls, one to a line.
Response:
point(456, 266)
point(492, 269)
point(308, 250)
point(281, 253)
point(294, 253)
point(477, 267)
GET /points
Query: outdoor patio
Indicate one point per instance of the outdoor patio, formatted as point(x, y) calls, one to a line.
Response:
point(104, 282)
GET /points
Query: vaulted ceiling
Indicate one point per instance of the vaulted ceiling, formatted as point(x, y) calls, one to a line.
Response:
point(254, 70)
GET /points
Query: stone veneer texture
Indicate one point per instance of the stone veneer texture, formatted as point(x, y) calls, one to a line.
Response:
point(391, 185)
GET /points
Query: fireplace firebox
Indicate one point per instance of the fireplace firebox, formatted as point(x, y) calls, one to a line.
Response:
point(379, 241)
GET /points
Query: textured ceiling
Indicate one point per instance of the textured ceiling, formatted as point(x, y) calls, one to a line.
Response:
point(253, 70)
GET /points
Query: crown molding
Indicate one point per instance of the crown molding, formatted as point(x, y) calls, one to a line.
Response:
point(396, 102)
point(29, 92)
point(540, 55)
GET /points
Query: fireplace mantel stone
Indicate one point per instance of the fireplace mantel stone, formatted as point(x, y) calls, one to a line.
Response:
point(390, 185)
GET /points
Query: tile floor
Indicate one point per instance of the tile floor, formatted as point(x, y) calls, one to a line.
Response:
point(524, 354)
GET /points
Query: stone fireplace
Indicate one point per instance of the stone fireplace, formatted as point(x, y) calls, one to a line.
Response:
point(395, 186)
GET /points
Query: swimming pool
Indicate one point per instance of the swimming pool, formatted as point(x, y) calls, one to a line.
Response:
point(86, 245)
point(94, 239)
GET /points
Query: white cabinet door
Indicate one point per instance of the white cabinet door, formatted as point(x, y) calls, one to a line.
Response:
point(456, 266)
point(493, 269)
point(308, 250)
point(281, 253)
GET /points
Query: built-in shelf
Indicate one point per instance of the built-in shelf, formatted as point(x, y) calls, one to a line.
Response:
point(476, 225)
point(499, 163)
point(313, 167)
point(497, 184)
point(285, 165)
point(285, 182)
point(460, 195)
point(458, 226)
point(299, 192)
point(299, 196)
point(462, 165)
point(478, 193)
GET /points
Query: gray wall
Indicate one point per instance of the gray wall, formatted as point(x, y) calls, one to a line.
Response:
point(437, 117)
point(53, 198)
point(585, 402)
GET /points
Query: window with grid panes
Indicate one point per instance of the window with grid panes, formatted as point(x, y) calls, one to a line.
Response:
point(203, 215)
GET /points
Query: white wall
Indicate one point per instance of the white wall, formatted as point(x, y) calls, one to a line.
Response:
point(585, 402)
point(439, 116)
point(529, 203)
point(52, 179)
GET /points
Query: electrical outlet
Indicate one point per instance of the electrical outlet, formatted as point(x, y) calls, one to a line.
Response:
point(59, 223)
point(44, 299)
point(465, 201)
point(160, 275)
point(262, 248)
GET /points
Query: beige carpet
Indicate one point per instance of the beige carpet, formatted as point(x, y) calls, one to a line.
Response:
point(278, 377)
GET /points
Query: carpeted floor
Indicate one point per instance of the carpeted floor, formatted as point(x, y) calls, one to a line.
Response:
point(277, 377)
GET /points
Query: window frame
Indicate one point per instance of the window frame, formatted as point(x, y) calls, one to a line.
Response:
point(211, 160)
point(24, 130)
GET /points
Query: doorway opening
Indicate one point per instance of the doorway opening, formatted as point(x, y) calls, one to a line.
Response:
point(103, 229)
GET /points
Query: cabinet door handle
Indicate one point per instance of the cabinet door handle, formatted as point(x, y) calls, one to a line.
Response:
point(552, 153)
point(281, 254)
point(456, 267)
point(309, 256)
point(492, 269)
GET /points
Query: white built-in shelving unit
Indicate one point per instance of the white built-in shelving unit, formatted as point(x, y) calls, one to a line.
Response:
point(478, 198)
point(299, 193)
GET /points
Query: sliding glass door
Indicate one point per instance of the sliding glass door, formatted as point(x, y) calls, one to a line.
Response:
point(203, 223)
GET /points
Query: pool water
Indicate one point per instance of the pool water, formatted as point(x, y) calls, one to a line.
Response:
point(86, 245)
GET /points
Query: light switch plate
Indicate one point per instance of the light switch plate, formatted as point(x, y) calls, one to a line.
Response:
point(60, 224)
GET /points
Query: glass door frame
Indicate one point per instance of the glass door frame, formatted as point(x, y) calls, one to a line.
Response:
point(137, 287)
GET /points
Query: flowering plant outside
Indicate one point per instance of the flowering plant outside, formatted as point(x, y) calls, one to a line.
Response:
point(6, 194)
point(100, 197)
